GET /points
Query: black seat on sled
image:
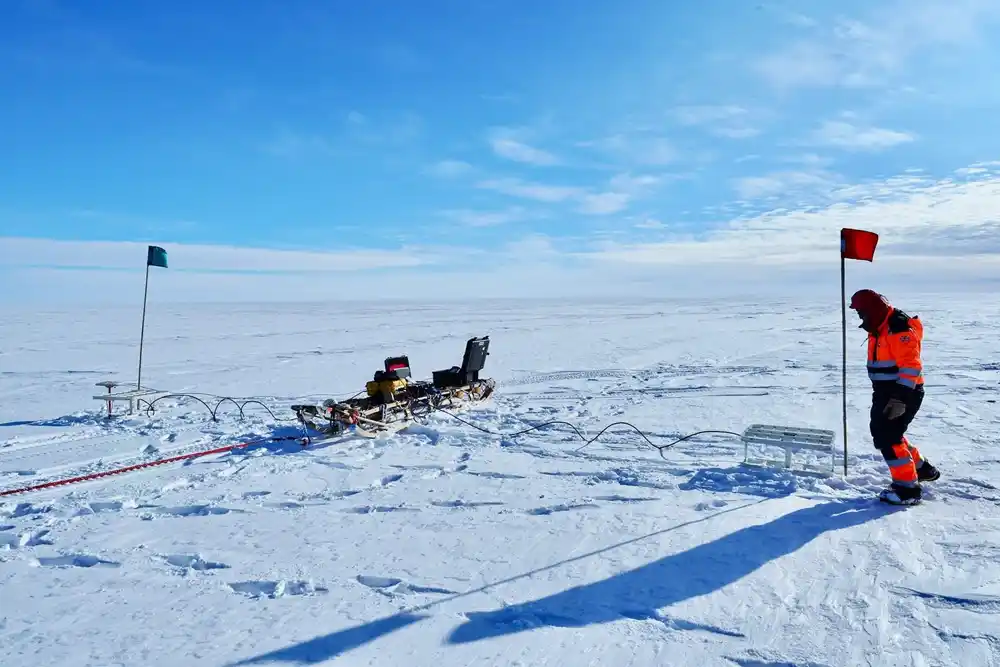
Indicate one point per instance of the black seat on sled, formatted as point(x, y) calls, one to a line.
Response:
point(476, 351)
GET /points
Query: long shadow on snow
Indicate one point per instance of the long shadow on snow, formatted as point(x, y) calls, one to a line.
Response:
point(636, 594)
point(327, 647)
point(85, 419)
point(701, 570)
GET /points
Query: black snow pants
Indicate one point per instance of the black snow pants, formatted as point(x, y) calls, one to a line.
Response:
point(886, 432)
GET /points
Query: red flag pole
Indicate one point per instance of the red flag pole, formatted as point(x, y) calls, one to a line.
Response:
point(857, 244)
point(843, 332)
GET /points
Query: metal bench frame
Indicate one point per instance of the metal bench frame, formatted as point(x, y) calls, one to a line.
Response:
point(791, 439)
point(132, 395)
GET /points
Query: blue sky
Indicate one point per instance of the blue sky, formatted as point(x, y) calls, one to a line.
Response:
point(411, 134)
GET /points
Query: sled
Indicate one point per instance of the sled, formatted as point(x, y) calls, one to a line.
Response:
point(392, 400)
point(804, 451)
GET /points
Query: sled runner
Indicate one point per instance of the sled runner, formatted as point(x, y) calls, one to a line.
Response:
point(393, 400)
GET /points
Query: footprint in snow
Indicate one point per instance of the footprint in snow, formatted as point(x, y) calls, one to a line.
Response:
point(678, 624)
point(715, 504)
point(347, 493)
point(754, 662)
point(378, 509)
point(18, 473)
point(626, 499)
point(27, 539)
point(275, 589)
point(562, 507)
point(192, 562)
point(441, 471)
point(433, 471)
point(386, 481)
point(496, 475)
point(464, 503)
point(285, 505)
point(18, 510)
point(394, 586)
point(105, 506)
point(74, 560)
point(186, 511)
point(336, 465)
point(974, 602)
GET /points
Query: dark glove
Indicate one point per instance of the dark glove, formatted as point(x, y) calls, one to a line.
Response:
point(894, 409)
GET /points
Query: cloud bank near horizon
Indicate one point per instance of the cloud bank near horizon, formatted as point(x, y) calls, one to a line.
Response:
point(933, 233)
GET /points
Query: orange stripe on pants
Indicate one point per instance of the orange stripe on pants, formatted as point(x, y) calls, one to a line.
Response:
point(902, 469)
point(914, 452)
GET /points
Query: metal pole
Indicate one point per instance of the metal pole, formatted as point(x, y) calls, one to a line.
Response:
point(142, 333)
point(843, 318)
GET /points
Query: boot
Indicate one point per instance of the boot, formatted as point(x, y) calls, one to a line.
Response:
point(926, 472)
point(900, 495)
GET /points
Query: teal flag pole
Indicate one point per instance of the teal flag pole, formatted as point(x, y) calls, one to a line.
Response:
point(155, 256)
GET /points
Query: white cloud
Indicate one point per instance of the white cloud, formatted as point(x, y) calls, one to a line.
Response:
point(539, 192)
point(356, 118)
point(448, 168)
point(394, 130)
point(532, 248)
point(704, 114)
point(731, 121)
point(744, 132)
point(293, 145)
point(636, 149)
point(626, 182)
point(621, 190)
point(841, 134)
point(650, 223)
point(604, 203)
point(511, 144)
point(16, 251)
point(805, 64)
point(783, 183)
point(921, 222)
point(521, 152)
point(935, 234)
point(870, 52)
point(474, 218)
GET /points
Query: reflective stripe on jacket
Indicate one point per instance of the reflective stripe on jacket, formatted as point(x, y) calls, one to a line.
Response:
point(894, 352)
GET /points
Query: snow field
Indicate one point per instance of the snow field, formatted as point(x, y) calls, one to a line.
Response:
point(446, 545)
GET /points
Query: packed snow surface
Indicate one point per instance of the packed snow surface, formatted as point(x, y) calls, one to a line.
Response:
point(450, 545)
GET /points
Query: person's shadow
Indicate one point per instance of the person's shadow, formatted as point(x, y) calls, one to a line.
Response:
point(638, 593)
point(642, 592)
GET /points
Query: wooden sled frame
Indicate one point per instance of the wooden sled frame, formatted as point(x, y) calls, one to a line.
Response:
point(394, 401)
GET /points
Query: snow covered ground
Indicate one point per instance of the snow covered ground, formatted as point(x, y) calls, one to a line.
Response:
point(448, 546)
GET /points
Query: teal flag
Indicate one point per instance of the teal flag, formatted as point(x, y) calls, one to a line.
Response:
point(156, 256)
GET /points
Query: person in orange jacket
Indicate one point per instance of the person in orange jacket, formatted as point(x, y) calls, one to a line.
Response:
point(895, 368)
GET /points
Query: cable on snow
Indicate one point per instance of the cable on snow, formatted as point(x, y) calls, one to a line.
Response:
point(588, 441)
point(241, 404)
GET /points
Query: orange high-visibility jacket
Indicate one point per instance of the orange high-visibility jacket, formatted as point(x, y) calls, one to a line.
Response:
point(894, 353)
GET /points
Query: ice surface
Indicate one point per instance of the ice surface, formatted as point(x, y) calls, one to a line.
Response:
point(450, 545)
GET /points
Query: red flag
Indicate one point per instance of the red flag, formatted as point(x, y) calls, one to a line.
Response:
point(858, 244)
